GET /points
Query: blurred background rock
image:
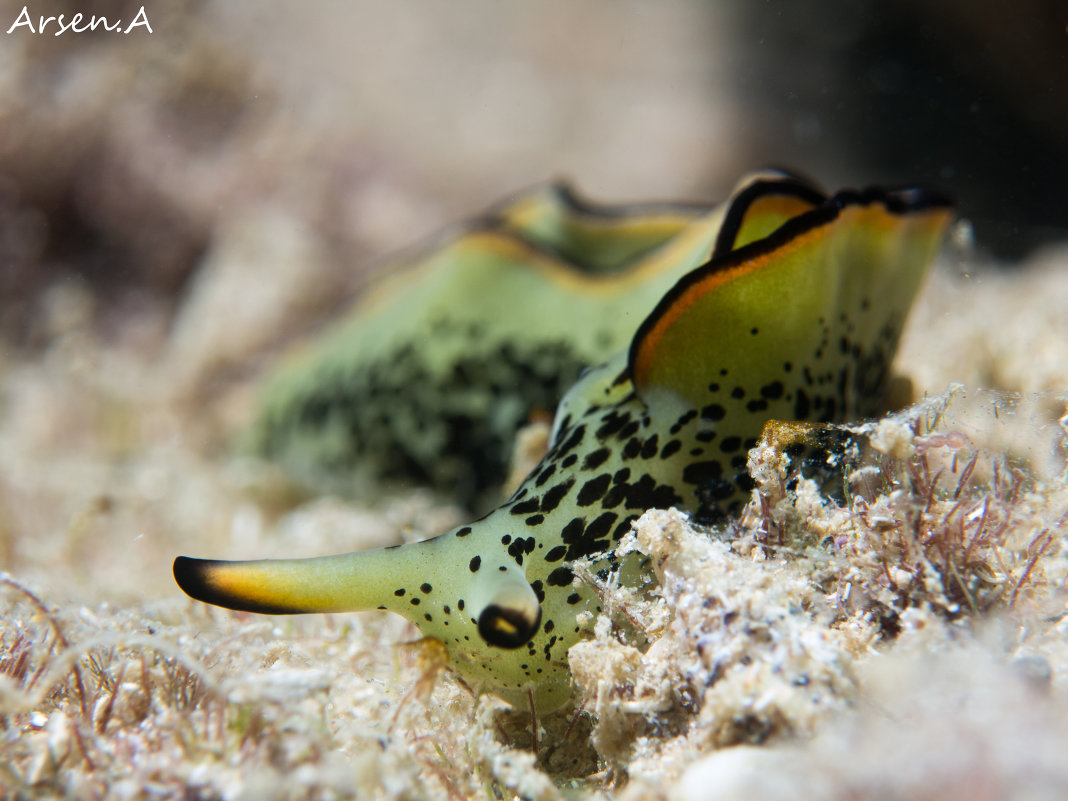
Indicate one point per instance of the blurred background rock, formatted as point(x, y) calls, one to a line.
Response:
point(269, 152)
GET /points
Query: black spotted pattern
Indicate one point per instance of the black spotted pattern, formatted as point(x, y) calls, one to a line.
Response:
point(384, 422)
point(611, 459)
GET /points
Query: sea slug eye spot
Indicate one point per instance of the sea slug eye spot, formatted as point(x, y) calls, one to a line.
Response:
point(507, 627)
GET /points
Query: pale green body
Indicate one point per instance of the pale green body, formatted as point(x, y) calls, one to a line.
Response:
point(800, 324)
point(431, 374)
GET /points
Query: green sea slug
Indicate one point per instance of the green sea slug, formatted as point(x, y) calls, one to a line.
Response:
point(782, 303)
point(429, 377)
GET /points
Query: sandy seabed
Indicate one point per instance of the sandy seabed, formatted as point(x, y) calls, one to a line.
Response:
point(908, 640)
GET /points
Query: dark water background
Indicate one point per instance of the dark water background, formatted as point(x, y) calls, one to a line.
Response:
point(126, 157)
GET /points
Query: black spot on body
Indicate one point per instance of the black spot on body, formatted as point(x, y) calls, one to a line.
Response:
point(545, 474)
point(683, 420)
point(651, 446)
point(670, 449)
point(560, 577)
point(613, 421)
point(572, 441)
point(593, 490)
point(646, 494)
point(623, 527)
point(556, 553)
point(573, 530)
point(475, 564)
point(520, 547)
point(426, 588)
point(713, 411)
point(552, 497)
point(702, 472)
point(773, 390)
point(600, 526)
point(596, 458)
point(664, 497)
point(615, 496)
point(526, 507)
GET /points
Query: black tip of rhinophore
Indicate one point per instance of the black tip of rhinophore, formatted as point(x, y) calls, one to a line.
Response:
point(507, 627)
point(207, 580)
point(189, 574)
point(194, 578)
